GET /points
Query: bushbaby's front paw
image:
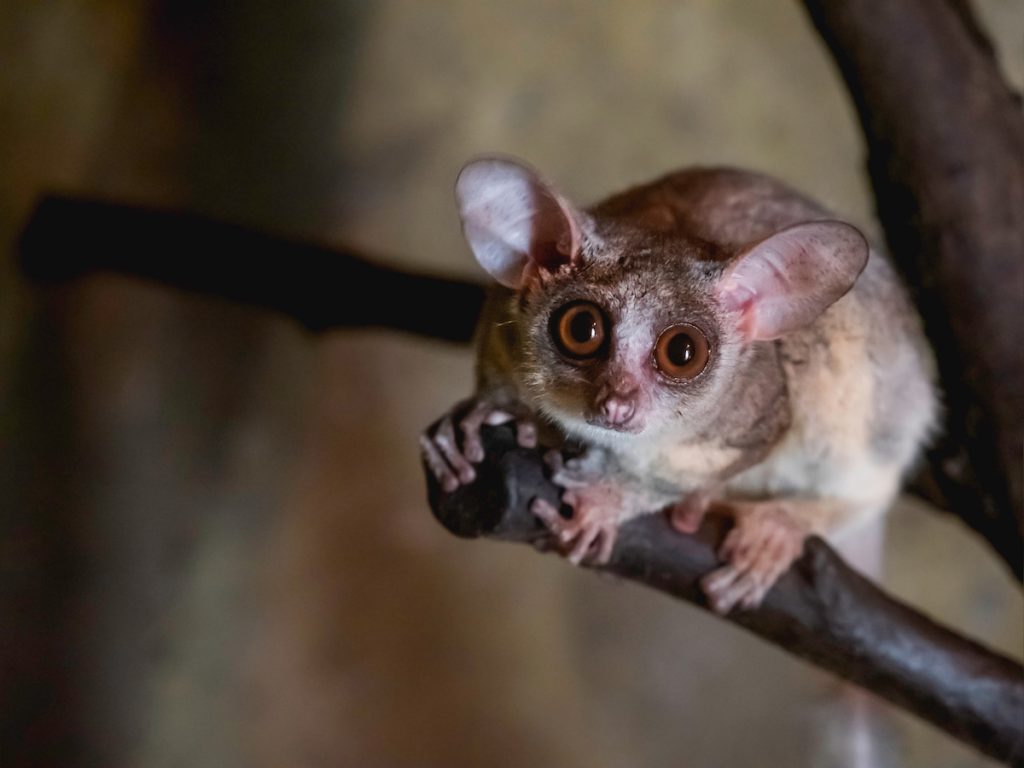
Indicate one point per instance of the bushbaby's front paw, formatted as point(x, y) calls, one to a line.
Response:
point(597, 505)
point(440, 449)
point(762, 545)
point(588, 536)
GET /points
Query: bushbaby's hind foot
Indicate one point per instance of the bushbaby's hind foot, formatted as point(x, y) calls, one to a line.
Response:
point(761, 546)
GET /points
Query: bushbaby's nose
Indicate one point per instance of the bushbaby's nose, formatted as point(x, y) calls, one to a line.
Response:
point(618, 410)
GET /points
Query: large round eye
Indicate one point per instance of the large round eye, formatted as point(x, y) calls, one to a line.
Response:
point(579, 329)
point(681, 351)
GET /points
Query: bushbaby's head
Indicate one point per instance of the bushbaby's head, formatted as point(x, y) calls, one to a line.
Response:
point(629, 329)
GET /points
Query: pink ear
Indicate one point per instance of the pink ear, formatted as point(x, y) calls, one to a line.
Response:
point(512, 219)
point(785, 281)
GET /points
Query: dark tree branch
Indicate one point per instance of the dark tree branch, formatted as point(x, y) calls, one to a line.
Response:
point(945, 139)
point(321, 288)
point(821, 611)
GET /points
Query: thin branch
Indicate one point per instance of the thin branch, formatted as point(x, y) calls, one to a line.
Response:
point(821, 610)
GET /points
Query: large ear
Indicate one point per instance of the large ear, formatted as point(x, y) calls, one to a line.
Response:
point(785, 281)
point(512, 219)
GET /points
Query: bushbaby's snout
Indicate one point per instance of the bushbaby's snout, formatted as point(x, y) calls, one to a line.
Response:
point(617, 410)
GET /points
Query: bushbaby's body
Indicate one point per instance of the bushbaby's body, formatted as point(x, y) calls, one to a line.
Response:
point(752, 357)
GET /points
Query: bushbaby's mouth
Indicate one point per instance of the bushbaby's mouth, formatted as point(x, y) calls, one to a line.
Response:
point(632, 426)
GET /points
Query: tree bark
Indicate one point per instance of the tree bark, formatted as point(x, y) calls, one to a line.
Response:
point(821, 610)
point(945, 141)
point(321, 288)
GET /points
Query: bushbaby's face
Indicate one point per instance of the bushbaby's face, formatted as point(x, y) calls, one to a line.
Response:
point(629, 342)
point(632, 325)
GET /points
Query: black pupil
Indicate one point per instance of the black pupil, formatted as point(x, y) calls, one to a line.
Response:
point(680, 349)
point(583, 327)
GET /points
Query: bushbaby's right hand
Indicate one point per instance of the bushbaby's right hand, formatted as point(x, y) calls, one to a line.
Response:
point(451, 464)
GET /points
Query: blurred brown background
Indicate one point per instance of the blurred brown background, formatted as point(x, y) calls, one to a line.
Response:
point(214, 545)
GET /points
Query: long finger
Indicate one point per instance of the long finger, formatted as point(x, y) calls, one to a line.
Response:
point(583, 544)
point(719, 579)
point(548, 514)
point(438, 466)
point(445, 440)
point(772, 562)
point(607, 545)
point(732, 541)
point(472, 448)
point(754, 598)
point(725, 599)
point(717, 583)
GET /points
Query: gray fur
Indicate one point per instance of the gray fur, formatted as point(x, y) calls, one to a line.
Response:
point(838, 409)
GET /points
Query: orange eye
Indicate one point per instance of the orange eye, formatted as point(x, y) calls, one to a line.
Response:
point(682, 351)
point(579, 330)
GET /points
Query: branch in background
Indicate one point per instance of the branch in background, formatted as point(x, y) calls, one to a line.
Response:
point(945, 139)
point(320, 287)
point(821, 611)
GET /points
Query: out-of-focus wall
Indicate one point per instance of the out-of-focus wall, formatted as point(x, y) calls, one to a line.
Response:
point(214, 548)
